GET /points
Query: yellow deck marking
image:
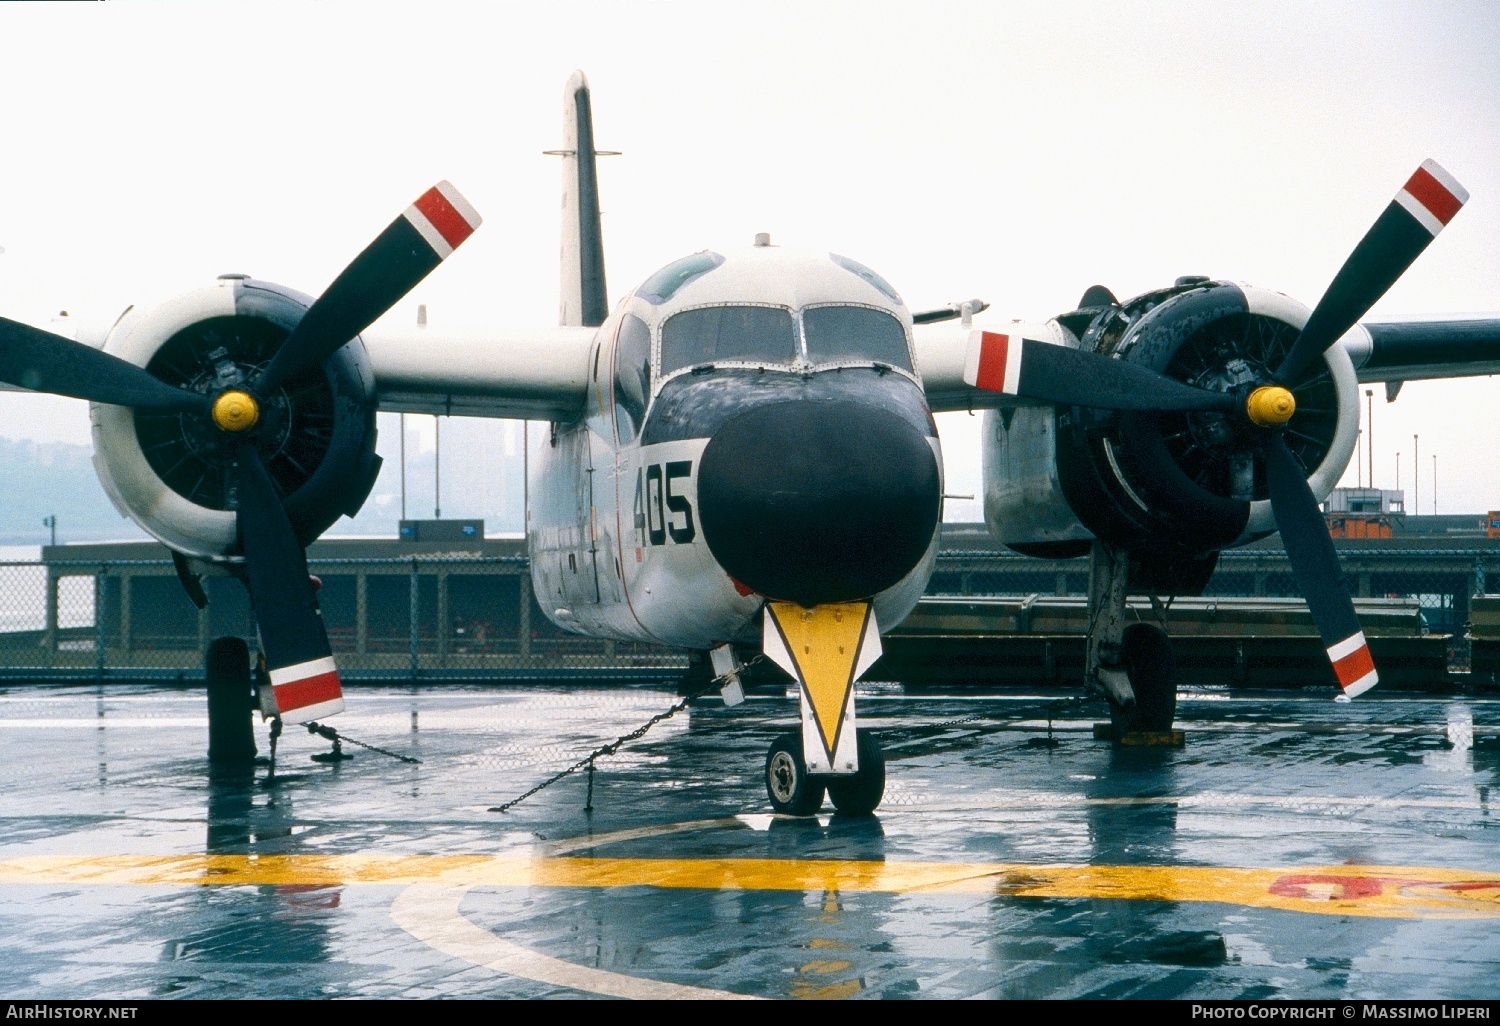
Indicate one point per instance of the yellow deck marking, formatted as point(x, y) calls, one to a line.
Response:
point(1402, 892)
point(824, 642)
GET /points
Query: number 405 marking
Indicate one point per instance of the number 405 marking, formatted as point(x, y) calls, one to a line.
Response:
point(655, 500)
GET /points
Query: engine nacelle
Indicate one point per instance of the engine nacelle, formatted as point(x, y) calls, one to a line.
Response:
point(1175, 486)
point(173, 475)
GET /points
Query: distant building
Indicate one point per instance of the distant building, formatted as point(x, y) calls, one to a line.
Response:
point(1366, 500)
point(1364, 512)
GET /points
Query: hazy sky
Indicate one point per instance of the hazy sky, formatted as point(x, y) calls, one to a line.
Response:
point(1016, 152)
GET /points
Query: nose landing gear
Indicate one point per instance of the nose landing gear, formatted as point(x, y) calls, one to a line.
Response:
point(860, 793)
point(825, 649)
point(792, 789)
point(796, 792)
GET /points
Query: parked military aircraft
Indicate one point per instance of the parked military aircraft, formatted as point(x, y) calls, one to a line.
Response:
point(743, 452)
point(1203, 416)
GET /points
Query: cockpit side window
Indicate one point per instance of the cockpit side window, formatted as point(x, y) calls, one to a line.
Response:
point(839, 334)
point(857, 268)
point(632, 376)
point(746, 334)
point(663, 285)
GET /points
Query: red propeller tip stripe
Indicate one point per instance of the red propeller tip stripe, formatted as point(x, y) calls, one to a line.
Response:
point(444, 218)
point(1432, 196)
point(994, 362)
point(1352, 664)
point(307, 691)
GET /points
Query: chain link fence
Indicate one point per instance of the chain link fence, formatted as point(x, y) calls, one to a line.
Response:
point(387, 619)
point(475, 618)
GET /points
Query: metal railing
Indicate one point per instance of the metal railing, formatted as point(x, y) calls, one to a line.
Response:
point(387, 619)
point(450, 617)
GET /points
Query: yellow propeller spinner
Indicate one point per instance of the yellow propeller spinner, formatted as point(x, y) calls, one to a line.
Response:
point(1268, 406)
point(235, 411)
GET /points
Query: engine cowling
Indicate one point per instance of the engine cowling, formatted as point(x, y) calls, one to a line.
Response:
point(1181, 485)
point(171, 474)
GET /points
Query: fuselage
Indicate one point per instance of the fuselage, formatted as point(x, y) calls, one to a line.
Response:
point(755, 428)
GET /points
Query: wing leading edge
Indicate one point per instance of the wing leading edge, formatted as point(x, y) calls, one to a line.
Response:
point(521, 374)
point(1456, 347)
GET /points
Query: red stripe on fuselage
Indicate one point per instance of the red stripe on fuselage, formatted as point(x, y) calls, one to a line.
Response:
point(1433, 195)
point(449, 223)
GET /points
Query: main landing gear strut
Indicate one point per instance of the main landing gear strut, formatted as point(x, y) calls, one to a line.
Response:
point(231, 733)
point(1131, 663)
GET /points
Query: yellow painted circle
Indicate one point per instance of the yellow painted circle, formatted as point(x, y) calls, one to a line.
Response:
point(235, 411)
point(1270, 406)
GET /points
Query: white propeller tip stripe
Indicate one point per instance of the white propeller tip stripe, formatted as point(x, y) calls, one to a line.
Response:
point(1446, 180)
point(1353, 643)
point(1351, 656)
point(465, 210)
point(307, 691)
point(1414, 207)
point(1432, 196)
point(443, 218)
point(303, 671)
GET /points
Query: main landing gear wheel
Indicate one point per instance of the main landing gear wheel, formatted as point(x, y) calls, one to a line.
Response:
point(1146, 654)
point(860, 794)
point(793, 791)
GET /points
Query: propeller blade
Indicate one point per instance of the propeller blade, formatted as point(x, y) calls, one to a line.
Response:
point(407, 251)
point(1315, 564)
point(44, 362)
point(1423, 207)
point(1030, 369)
point(299, 659)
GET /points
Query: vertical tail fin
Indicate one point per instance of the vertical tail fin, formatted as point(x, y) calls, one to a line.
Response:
point(582, 297)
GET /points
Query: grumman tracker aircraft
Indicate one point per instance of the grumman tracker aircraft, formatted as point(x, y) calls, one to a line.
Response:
point(743, 453)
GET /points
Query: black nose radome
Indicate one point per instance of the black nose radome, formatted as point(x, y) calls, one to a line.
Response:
point(818, 501)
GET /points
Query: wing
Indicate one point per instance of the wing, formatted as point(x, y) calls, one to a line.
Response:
point(1411, 350)
point(535, 374)
point(943, 349)
point(1389, 351)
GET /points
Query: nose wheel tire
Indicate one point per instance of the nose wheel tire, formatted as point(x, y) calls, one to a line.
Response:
point(792, 790)
point(1146, 653)
point(860, 794)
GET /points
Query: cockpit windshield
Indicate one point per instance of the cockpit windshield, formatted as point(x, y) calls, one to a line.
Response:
point(741, 334)
point(839, 334)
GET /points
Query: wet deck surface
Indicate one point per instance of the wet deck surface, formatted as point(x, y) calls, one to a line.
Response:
point(1294, 847)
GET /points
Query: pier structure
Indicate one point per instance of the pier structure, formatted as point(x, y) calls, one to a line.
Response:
point(463, 607)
